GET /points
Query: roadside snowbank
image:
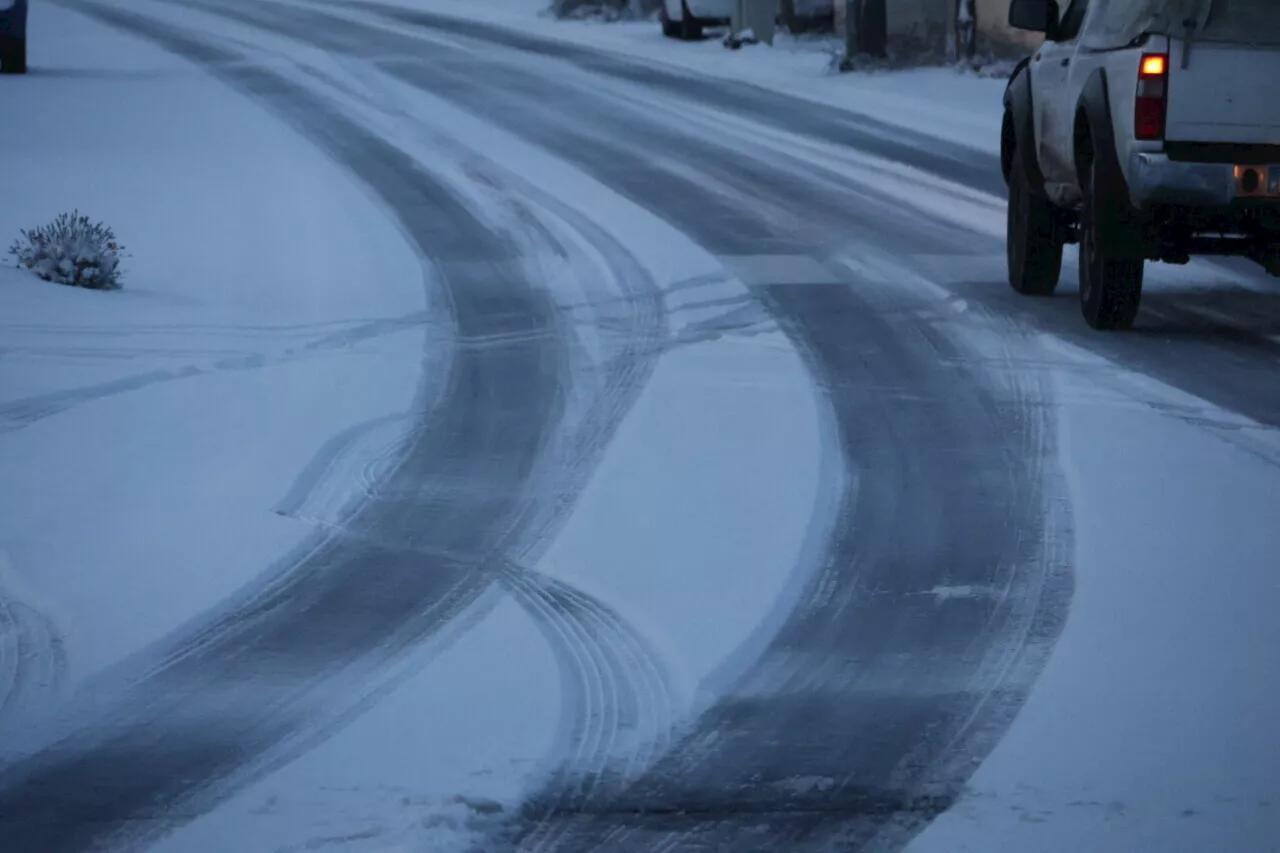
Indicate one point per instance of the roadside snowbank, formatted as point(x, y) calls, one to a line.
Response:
point(146, 434)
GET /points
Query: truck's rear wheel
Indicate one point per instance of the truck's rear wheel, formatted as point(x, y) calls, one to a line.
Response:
point(1110, 272)
point(1032, 238)
point(690, 27)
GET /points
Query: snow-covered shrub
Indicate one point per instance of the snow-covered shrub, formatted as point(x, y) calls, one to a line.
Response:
point(71, 250)
point(605, 10)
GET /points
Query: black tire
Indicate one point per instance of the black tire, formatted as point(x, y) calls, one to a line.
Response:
point(671, 29)
point(13, 56)
point(1033, 240)
point(690, 27)
point(1111, 272)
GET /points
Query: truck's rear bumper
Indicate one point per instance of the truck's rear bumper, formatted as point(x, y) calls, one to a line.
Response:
point(1155, 179)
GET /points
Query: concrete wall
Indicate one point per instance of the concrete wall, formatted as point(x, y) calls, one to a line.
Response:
point(994, 29)
point(915, 26)
point(907, 15)
point(919, 26)
point(922, 27)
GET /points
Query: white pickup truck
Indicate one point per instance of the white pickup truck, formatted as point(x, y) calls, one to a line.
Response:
point(1142, 130)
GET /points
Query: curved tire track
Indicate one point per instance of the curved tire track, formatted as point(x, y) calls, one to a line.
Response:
point(867, 713)
point(864, 717)
point(33, 659)
point(970, 166)
point(1223, 360)
point(234, 689)
point(847, 661)
point(621, 715)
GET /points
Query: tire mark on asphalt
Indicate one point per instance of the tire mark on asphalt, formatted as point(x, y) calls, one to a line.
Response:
point(753, 742)
point(1225, 363)
point(977, 487)
point(617, 688)
point(848, 658)
point(261, 629)
point(636, 317)
point(977, 169)
point(618, 711)
point(1229, 361)
point(635, 330)
point(1039, 621)
point(946, 499)
point(620, 715)
point(863, 718)
point(506, 94)
point(247, 681)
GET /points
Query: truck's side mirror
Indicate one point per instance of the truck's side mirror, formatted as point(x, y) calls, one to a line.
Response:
point(1038, 16)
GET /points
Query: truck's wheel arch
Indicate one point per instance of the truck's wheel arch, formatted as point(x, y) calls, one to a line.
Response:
point(1093, 132)
point(1095, 143)
point(1018, 132)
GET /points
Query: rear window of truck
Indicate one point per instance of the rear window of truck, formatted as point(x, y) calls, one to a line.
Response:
point(1244, 21)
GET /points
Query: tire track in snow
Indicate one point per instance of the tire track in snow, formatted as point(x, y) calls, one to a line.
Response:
point(1224, 360)
point(328, 485)
point(778, 749)
point(247, 680)
point(681, 199)
point(832, 736)
point(634, 328)
point(598, 653)
point(620, 714)
point(865, 715)
point(244, 689)
point(33, 657)
point(23, 412)
point(634, 323)
point(1035, 623)
point(616, 688)
point(971, 167)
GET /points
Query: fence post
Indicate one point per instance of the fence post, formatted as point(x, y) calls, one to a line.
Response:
point(873, 28)
point(852, 9)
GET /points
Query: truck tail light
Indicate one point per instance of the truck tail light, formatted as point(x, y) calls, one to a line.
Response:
point(1153, 89)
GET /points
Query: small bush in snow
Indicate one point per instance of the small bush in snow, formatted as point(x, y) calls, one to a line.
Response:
point(71, 250)
point(605, 10)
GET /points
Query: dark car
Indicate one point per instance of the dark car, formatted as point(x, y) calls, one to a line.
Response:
point(13, 36)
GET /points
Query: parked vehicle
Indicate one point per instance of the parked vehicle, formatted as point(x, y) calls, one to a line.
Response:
point(685, 19)
point(1142, 130)
point(13, 36)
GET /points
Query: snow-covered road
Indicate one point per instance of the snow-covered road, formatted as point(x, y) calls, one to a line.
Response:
point(709, 491)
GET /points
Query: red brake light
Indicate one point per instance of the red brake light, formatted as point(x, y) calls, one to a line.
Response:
point(1153, 87)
